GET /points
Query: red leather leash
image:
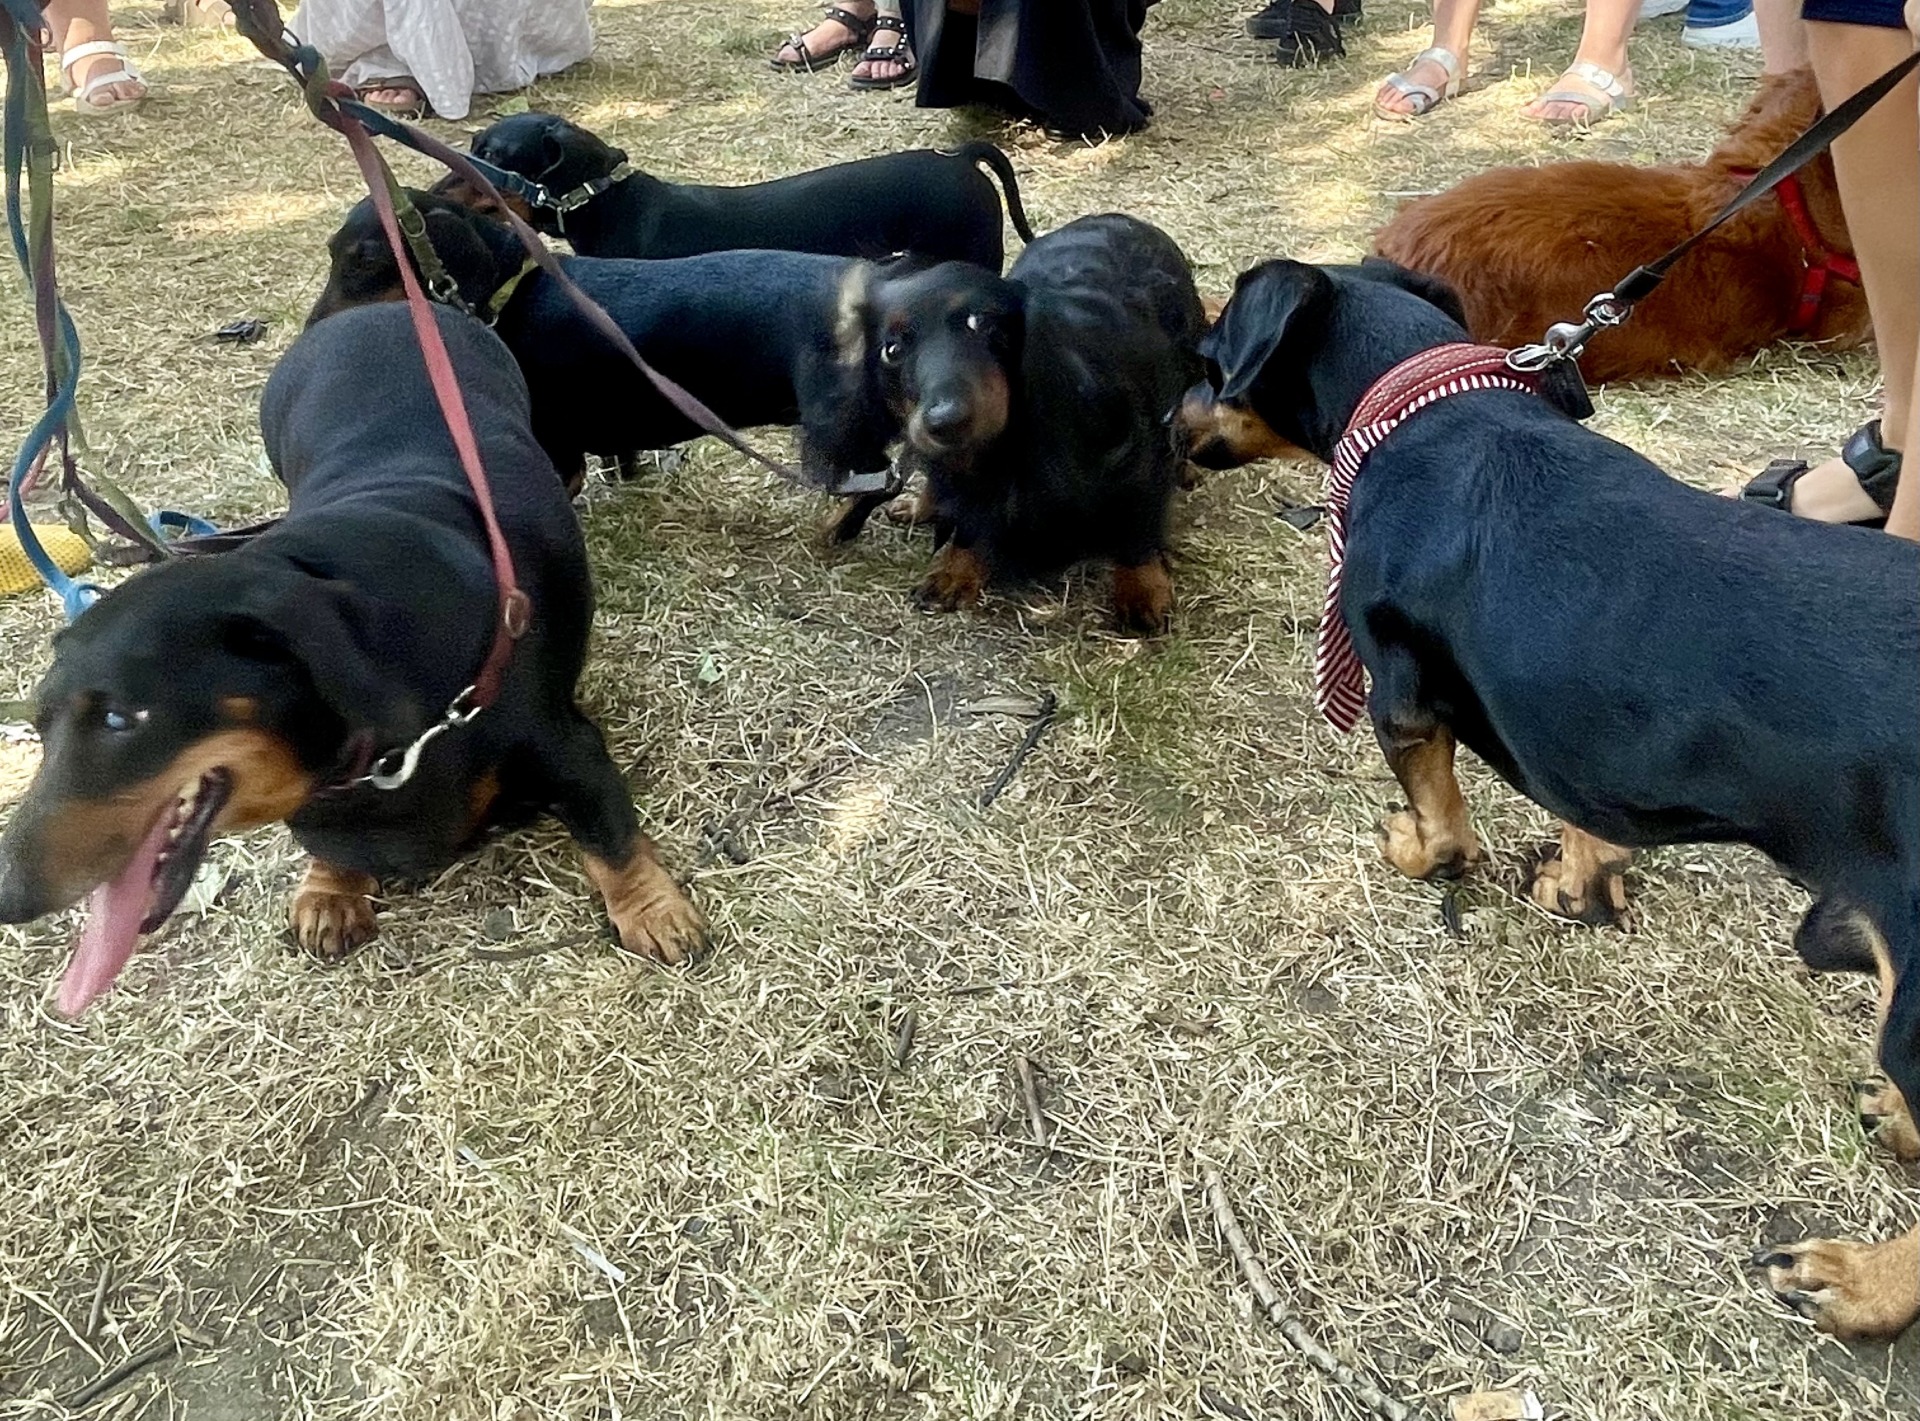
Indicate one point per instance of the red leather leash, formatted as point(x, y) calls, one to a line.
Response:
point(516, 608)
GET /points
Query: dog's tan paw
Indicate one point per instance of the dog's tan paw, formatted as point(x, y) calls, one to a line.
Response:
point(1143, 598)
point(1585, 879)
point(1849, 1289)
point(1446, 854)
point(332, 911)
point(651, 914)
point(1884, 1113)
point(957, 579)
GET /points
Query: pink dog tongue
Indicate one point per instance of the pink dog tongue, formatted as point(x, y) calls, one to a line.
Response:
point(112, 930)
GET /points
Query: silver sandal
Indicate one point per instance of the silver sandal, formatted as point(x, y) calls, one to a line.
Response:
point(1425, 97)
point(1613, 99)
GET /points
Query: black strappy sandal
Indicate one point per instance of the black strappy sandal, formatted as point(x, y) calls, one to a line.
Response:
point(860, 27)
point(1876, 466)
point(901, 53)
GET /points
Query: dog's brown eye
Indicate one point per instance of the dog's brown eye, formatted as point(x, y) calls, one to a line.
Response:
point(892, 352)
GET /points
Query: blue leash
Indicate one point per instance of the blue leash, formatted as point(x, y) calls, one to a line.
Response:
point(19, 19)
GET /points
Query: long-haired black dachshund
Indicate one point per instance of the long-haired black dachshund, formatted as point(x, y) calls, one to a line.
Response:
point(936, 205)
point(1653, 664)
point(1037, 404)
point(751, 334)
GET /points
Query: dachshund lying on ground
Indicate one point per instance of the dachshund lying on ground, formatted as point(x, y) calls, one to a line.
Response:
point(750, 334)
point(1528, 247)
point(1037, 405)
point(1653, 688)
point(217, 693)
point(933, 204)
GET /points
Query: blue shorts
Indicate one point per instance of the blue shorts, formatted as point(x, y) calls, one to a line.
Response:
point(1883, 14)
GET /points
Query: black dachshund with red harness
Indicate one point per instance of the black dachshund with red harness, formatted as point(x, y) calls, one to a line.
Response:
point(1615, 643)
point(566, 182)
point(1037, 405)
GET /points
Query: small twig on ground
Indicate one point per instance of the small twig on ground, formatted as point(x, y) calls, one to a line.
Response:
point(1049, 705)
point(98, 1312)
point(534, 949)
point(1221, 1406)
point(1274, 1306)
point(1030, 1092)
point(113, 1376)
point(903, 1039)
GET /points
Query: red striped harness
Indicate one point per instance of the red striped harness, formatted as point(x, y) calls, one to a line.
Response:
point(1339, 681)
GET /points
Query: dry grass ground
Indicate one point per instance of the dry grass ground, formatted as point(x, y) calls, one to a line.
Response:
point(1530, 1153)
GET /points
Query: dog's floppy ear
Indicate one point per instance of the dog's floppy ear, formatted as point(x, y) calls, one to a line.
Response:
point(1562, 387)
point(845, 422)
point(322, 627)
point(1273, 301)
point(1430, 289)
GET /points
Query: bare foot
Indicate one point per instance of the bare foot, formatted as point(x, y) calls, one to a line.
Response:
point(1829, 493)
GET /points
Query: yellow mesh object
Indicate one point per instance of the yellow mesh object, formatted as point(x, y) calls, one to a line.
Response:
point(68, 550)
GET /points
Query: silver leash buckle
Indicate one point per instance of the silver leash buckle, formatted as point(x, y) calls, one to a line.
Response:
point(397, 767)
point(1567, 339)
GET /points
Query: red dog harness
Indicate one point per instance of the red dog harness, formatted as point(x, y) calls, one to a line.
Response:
point(1822, 263)
point(1339, 681)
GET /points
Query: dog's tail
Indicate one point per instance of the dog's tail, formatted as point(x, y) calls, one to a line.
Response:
point(991, 155)
point(1835, 936)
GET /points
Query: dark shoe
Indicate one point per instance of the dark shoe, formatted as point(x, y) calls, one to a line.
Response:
point(1273, 22)
point(1312, 35)
point(1876, 466)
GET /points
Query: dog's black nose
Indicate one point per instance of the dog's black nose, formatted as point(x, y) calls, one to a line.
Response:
point(944, 417)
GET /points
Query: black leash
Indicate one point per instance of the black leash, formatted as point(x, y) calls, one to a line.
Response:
point(1610, 308)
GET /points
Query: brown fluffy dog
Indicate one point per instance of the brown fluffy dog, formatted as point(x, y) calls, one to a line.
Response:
point(1528, 247)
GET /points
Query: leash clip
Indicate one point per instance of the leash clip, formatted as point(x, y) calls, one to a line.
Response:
point(405, 763)
point(1565, 340)
point(876, 483)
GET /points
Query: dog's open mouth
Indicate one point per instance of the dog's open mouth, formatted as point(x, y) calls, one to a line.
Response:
point(147, 891)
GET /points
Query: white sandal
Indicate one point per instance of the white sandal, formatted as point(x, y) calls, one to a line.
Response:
point(83, 94)
point(1425, 97)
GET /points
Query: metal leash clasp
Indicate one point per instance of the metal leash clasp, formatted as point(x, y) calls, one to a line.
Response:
point(1566, 340)
point(397, 767)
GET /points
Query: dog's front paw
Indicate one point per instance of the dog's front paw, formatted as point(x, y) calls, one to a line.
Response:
point(911, 508)
point(332, 911)
point(1849, 1289)
point(651, 914)
point(1443, 854)
point(1143, 598)
point(1885, 1116)
point(957, 579)
point(1590, 889)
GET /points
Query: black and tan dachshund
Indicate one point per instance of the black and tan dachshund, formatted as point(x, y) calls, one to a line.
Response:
point(216, 693)
point(1653, 664)
point(940, 206)
point(1038, 405)
point(749, 334)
